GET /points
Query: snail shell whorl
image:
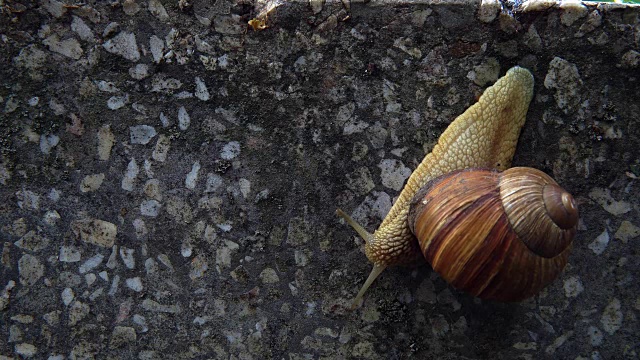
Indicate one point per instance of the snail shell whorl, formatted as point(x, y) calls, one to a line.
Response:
point(490, 234)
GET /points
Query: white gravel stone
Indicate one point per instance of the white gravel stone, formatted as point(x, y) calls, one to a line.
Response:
point(77, 312)
point(26, 350)
point(184, 120)
point(201, 89)
point(114, 285)
point(69, 254)
point(157, 48)
point(157, 9)
point(94, 231)
point(107, 86)
point(603, 197)
point(69, 47)
point(104, 275)
point(128, 258)
point(90, 278)
point(192, 177)
point(214, 181)
point(130, 175)
point(51, 217)
point(67, 296)
point(139, 72)
point(245, 187)
point(123, 44)
point(105, 142)
point(91, 263)
point(611, 319)
point(393, 173)
point(140, 228)
point(269, 276)
point(48, 142)
point(230, 150)
point(595, 335)
point(134, 284)
point(141, 134)
point(117, 102)
point(162, 149)
point(80, 27)
point(150, 208)
point(600, 243)
point(572, 10)
point(32, 241)
point(573, 287)
point(91, 182)
point(30, 269)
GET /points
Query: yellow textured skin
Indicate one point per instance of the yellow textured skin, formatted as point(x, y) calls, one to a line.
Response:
point(485, 135)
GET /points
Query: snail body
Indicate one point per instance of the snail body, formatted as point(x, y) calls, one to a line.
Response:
point(497, 235)
point(484, 136)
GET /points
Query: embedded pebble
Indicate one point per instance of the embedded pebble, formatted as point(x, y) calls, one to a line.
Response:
point(114, 285)
point(32, 241)
point(80, 27)
point(48, 142)
point(161, 149)
point(393, 173)
point(439, 326)
point(67, 296)
point(77, 312)
point(112, 262)
point(91, 263)
point(106, 140)
point(107, 86)
point(94, 231)
point(184, 120)
point(26, 350)
point(90, 279)
point(245, 187)
point(28, 200)
point(627, 231)
point(572, 10)
point(139, 72)
point(30, 269)
point(157, 9)
point(141, 134)
point(91, 182)
point(214, 181)
point(130, 175)
point(269, 276)
point(51, 217)
point(70, 48)
point(152, 191)
point(69, 254)
point(360, 181)
point(485, 73)
point(150, 208)
point(230, 150)
point(199, 266)
point(595, 335)
point(563, 77)
point(157, 48)
point(201, 89)
point(123, 44)
point(134, 284)
point(223, 253)
point(192, 176)
point(122, 335)
point(489, 10)
point(600, 243)
point(603, 197)
point(117, 102)
point(573, 287)
point(128, 258)
point(611, 318)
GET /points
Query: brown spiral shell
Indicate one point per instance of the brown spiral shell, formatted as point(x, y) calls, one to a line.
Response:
point(497, 235)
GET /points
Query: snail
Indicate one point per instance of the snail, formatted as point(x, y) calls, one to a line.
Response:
point(483, 137)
